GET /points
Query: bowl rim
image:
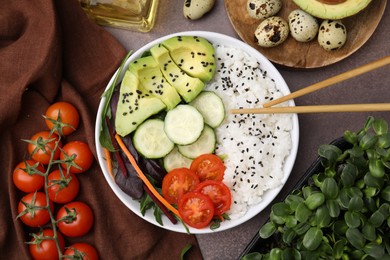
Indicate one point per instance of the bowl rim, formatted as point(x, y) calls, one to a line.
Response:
point(268, 195)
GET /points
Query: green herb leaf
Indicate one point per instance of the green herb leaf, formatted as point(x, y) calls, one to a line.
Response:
point(355, 237)
point(281, 209)
point(312, 238)
point(104, 138)
point(267, 230)
point(315, 200)
point(374, 250)
point(380, 126)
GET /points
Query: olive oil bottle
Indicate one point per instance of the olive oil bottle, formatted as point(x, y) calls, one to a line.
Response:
point(136, 15)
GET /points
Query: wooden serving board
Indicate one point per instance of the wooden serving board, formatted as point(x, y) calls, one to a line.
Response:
point(295, 54)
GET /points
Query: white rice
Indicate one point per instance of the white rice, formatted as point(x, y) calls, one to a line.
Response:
point(255, 146)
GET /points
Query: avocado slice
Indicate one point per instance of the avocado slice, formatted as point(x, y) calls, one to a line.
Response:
point(332, 11)
point(187, 86)
point(134, 106)
point(194, 55)
point(152, 80)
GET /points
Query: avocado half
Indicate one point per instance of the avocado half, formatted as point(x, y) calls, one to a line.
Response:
point(332, 11)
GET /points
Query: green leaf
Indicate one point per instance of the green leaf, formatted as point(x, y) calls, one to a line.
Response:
point(333, 208)
point(330, 154)
point(340, 227)
point(355, 238)
point(372, 181)
point(338, 248)
point(301, 228)
point(275, 254)
point(289, 235)
point(185, 250)
point(302, 213)
point(369, 231)
point(368, 141)
point(267, 230)
point(291, 254)
point(315, 200)
point(252, 256)
point(104, 138)
point(312, 239)
point(376, 167)
point(376, 219)
point(330, 188)
point(350, 137)
point(349, 175)
point(352, 219)
point(281, 209)
point(380, 126)
point(276, 219)
point(356, 204)
point(293, 201)
point(322, 216)
point(291, 221)
point(374, 250)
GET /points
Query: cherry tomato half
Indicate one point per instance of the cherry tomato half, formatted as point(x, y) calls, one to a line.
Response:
point(82, 251)
point(42, 144)
point(62, 189)
point(208, 167)
point(34, 217)
point(46, 249)
point(78, 157)
point(178, 182)
point(75, 219)
point(219, 194)
point(196, 209)
point(26, 176)
point(63, 116)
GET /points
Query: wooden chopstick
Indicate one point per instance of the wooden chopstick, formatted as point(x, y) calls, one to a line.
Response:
point(315, 109)
point(331, 81)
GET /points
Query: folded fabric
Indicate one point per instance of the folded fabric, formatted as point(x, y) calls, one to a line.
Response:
point(50, 51)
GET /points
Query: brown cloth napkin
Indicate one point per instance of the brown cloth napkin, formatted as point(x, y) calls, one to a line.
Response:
point(50, 51)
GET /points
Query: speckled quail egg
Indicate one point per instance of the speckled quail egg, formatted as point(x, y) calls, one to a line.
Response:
point(303, 26)
point(261, 9)
point(195, 9)
point(332, 35)
point(271, 32)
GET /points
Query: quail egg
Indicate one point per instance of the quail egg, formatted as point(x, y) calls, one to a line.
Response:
point(195, 9)
point(303, 26)
point(261, 9)
point(271, 32)
point(332, 35)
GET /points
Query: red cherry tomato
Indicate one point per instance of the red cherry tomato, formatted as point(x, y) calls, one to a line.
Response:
point(178, 182)
point(46, 249)
point(208, 167)
point(196, 209)
point(63, 116)
point(82, 251)
point(42, 144)
point(75, 219)
point(78, 157)
point(219, 194)
point(62, 189)
point(31, 216)
point(26, 176)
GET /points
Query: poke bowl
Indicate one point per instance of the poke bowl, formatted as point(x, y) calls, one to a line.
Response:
point(258, 151)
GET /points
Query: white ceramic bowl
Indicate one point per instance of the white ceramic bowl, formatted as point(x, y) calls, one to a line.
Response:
point(267, 197)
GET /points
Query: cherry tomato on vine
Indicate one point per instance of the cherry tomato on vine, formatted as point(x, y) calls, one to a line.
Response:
point(43, 249)
point(219, 194)
point(178, 182)
point(26, 176)
point(196, 209)
point(41, 145)
point(82, 251)
point(208, 167)
point(77, 156)
point(28, 212)
point(75, 219)
point(62, 116)
point(63, 187)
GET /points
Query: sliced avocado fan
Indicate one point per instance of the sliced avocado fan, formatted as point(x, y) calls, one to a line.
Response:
point(332, 11)
point(134, 106)
point(195, 55)
point(187, 86)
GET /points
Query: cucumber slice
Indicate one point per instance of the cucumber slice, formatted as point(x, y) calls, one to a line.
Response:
point(210, 105)
point(205, 144)
point(183, 124)
point(175, 160)
point(150, 139)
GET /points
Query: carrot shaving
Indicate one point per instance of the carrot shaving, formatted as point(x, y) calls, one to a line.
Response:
point(109, 162)
point(143, 177)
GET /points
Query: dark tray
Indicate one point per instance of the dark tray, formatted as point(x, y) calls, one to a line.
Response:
point(258, 244)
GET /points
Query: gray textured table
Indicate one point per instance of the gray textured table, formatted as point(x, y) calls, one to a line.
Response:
point(315, 129)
